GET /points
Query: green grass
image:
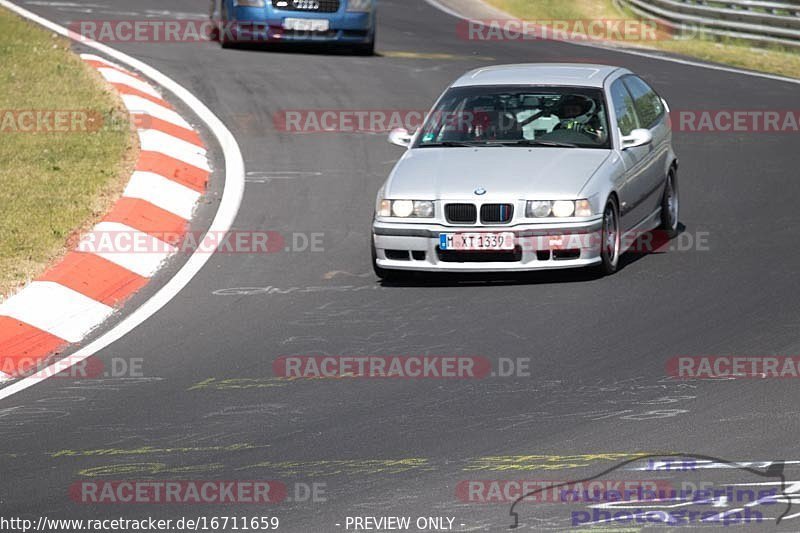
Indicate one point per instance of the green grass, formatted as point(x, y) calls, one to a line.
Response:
point(558, 9)
point(52, 185)
point(773, 60)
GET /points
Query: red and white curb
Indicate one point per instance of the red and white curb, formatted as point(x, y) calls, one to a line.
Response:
point(84, 289)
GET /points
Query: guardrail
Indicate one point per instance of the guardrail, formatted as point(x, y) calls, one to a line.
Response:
point(758, 21)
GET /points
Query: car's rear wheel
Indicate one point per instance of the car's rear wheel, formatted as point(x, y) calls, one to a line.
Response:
point(670, 205)
point(610, 239)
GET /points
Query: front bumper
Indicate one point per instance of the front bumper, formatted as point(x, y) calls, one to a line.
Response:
point(541, 246)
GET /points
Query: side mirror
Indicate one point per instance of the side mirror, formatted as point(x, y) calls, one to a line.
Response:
point(638, 137)
point(401, 137)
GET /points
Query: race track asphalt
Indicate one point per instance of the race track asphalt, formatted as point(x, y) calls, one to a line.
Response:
point(597, 347)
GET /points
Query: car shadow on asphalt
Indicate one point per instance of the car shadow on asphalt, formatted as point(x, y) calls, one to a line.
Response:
point(327, 49)
point(648, 244)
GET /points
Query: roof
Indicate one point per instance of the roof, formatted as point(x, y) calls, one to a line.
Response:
point(571, 74)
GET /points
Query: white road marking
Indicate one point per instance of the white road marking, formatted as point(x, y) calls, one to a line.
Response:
point(162, 192)
point(164, 143)
point(142, 106)
point(56, 309)
point(136, 251)
point(223, 220)
point(113, 75)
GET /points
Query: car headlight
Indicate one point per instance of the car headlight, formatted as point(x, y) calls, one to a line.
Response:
point(360, 6)
point(537, 209)
point(248, 3)
point(558, 208)
point(563, 208)
point(406, 208)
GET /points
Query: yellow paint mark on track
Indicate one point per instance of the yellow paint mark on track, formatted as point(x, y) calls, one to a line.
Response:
point(346, 467)
point(147, 469)
point(399, 54)
point(352, 467)
point(501, 463)
point(239, 383)
point(144, 450)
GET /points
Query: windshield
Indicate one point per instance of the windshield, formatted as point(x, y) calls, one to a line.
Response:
point(517, 116)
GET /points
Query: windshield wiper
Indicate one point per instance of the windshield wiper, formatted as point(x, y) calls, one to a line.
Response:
point(459, 144)
point(530, 142)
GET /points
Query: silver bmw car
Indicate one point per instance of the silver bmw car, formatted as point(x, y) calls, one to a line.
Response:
point(529, 167)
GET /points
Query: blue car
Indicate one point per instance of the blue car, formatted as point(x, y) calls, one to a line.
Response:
point(345, 22)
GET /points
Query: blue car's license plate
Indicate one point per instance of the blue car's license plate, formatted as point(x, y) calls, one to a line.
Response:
point(297, 24)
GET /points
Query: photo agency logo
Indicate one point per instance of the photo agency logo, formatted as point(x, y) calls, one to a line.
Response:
point(571, 30)
point(68, 121)
point(764, 495)
point(400, 367)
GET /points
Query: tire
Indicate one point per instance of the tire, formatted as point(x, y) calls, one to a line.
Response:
point(670, 205)
point(213, 32)
point(366, 49)
point(610, 239)
point(224, 31)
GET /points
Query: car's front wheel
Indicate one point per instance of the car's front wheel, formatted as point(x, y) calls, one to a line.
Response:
point(610, 239)
point(365, 49)
point(670, 205)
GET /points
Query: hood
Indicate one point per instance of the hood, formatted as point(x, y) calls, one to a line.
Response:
point(455, 173)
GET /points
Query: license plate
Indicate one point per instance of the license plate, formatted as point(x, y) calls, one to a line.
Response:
point(476, 241)
point(306, 24)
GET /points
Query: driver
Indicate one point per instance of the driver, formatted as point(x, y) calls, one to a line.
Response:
point(579, 113)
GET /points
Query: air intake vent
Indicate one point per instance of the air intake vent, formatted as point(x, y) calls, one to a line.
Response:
point(461, 213)
point(316, 6)
point(497, 213)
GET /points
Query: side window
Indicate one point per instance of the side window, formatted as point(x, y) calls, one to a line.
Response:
point(624, 108)
point(648, 104)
